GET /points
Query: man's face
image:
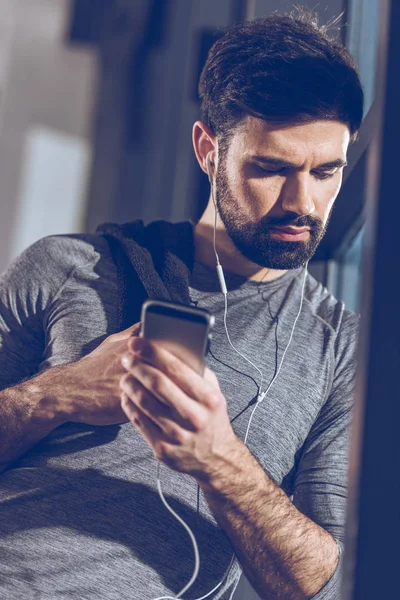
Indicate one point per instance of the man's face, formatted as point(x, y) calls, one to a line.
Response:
point(275, 188)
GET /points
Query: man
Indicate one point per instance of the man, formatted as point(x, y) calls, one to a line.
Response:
point(80, 514)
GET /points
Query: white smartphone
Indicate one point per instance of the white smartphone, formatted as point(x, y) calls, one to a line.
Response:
point(183, 330)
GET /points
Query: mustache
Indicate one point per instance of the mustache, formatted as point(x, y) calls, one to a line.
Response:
point(304, 221)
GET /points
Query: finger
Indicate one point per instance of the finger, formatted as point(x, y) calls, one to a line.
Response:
point(211, 377)
point(131, 331)
point(150, 431)
point(129, 409)
point(162, 408)
point(135, 329)
point(202, 389)
point(186, 410)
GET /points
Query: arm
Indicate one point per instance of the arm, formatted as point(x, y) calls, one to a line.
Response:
point(28, 413)
point(84, 391)
point(294, 550)
point(283, 553)
point(287, 550)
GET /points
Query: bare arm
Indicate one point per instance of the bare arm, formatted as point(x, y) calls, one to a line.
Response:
point(283, 553)
point(284, 550)
point(29, 412)
point(86, 391)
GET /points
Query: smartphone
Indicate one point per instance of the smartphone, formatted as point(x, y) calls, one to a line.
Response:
point(183, 330)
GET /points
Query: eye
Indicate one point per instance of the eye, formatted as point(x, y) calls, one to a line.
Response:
point(324, 174)
point(265, 171)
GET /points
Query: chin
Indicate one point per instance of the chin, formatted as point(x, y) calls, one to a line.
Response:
point(282, 256)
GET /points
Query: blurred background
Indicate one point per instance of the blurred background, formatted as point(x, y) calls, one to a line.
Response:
point(97, 102)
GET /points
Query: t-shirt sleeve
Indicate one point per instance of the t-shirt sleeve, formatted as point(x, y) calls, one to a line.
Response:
point(27, 288)
point(320, 487)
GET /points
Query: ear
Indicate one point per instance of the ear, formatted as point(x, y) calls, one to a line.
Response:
point(204, 141)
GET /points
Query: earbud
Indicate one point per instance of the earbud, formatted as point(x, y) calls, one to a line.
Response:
point(210, 179)
point(208, 163)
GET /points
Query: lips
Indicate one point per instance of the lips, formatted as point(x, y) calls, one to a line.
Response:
point(291, 234)
point(292, 230)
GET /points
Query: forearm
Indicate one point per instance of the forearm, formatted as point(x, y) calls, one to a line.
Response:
point(85, 391)
point(283, 553)
point(28, 412)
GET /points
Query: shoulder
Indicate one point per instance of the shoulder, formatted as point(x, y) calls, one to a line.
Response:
point(67, 250)
point(325, 307)
point(40, 270)
point(342, 323)
point(62, 253)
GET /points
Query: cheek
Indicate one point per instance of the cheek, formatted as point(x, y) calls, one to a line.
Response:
point(326, 198)
point(336, 185)
point(254, 196)
point(262, 194)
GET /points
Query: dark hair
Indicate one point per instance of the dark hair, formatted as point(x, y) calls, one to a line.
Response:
point(283, 69)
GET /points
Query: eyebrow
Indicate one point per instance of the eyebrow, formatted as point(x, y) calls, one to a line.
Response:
point(279, 162)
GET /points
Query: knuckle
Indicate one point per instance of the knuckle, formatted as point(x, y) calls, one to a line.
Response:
point(123, 381)
point(177, 435)
point(158, 386)
point(127, 383)
point(211, 377)
point(199, 422)
point(174, 368)
point(183, 437)
point(161, 452)
point(211, 399)
point(142, 396)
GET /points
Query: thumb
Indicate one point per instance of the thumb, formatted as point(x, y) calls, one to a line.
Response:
point(133, 330)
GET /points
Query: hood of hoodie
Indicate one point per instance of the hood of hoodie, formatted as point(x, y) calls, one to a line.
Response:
point(153, 261)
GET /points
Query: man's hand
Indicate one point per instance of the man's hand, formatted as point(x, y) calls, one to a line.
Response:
point(182, 415)
point(86, 391)
point(92, 393)
point(184, 419)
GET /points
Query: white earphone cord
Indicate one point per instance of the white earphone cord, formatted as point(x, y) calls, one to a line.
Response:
point(260, 398)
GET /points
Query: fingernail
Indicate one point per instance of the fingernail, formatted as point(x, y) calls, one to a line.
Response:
point(126, 360)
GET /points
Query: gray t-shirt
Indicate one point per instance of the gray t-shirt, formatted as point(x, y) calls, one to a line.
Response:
point(80, 516)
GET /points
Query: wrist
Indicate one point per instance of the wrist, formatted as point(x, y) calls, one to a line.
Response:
point(50, 391)
point(225, 469)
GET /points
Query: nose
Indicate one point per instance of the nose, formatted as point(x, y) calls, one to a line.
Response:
point(296, 194)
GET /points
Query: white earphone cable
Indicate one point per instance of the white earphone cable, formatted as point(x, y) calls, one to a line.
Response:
point(260, 398)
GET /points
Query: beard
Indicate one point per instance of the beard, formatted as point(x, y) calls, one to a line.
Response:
point(254, 240)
